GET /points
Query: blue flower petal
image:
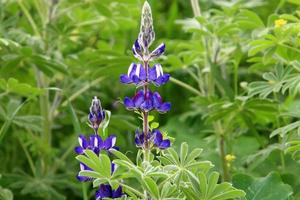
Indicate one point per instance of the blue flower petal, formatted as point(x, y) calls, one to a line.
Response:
point(79, 150)
point(158, 51)
point(157, 137)
point(139, 98)
point(164, 144)
point(105, 191)
point(165, 107)
point(125, 79)
point(117, 193)
point(83, 141)
point(129, 104)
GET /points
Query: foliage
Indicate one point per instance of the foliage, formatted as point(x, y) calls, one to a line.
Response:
point(234, 89)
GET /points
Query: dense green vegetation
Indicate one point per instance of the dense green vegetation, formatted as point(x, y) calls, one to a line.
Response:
point(234, 89)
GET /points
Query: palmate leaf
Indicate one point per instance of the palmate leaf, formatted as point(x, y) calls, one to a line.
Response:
point(274, 82)
point(270, 187)
point(101, 165)
point(209, 189)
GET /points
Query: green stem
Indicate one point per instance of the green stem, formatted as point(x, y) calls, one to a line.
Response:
point(30, 161)
point(29, 18)
point(186, 86)
point(84, 191)
point(196, 8)
point(44, 107)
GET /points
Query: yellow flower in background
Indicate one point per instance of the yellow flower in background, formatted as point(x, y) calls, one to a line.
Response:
point(230, 158)
point(280, 22)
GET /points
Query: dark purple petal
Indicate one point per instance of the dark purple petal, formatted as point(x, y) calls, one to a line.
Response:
point(129, 104)
point(137, 50)
point(104, 191)
point(164, 144)
point(95, 141)
point(157, 100)
point(83, 141)
point(139, 139)
point(117, 193)
point(136, 79)
point(147, 105)
point(157, 137)
point(158, 51)
point(138, 99)
point(125, 79)
point(109, 142)
point(152, 73)
point(132, 70)
point(113, 167)
point(165, 107)
point(83, 178)
point(79, 150)
point(142, 74)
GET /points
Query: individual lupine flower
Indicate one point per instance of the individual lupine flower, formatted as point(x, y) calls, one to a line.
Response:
point(158, 140)
point(106, 191)
point(96, 115)
point(157, 52)
point(136, 74)
point(137, 50)
point(154, 137)
point(83, 167)
point(147, 34)
point(156, 75)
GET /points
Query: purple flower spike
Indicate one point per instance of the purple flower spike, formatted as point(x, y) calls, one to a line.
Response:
point(96, 115)
point(156, 75)
point(158, 140)
point(105, 191)
point(158, 51)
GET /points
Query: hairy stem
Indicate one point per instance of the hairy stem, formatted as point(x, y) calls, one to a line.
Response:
point(44, 107)
point(223, 155)
point(196, 8)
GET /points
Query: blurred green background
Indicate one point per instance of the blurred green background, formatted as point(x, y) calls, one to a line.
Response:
point(55, 55)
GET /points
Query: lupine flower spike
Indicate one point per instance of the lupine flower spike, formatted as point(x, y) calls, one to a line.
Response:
point(141, 74)
point(96, 144)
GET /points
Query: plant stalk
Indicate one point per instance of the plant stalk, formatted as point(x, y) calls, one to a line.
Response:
point(223, 155)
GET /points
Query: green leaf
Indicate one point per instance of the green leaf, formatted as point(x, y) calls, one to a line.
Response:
point(270, 187)
point(151, 186)
point(154, 125)
point(183, 152)
point(5, 194)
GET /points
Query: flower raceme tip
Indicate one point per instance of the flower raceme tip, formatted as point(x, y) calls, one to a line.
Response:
point(137, 75)
point(96, 115)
